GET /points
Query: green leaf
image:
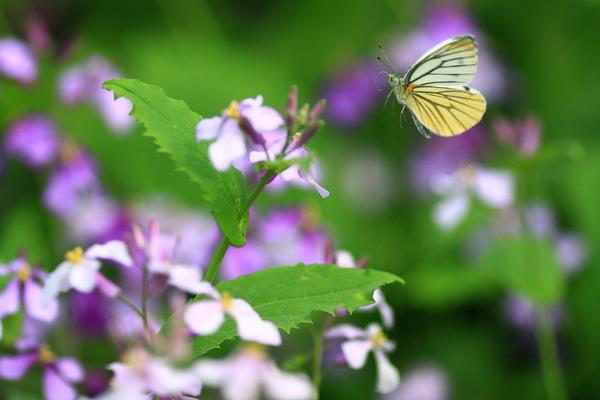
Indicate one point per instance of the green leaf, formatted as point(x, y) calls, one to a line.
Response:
point(286, 296)
point(172, 125)
point(527, 266)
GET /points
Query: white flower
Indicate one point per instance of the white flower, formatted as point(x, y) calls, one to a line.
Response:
point(229, 142)
point(359, 344)
point(422, 383)
point(494, 188)
point(80, 269)
point(248, 372)
point(345, 259)
point(141, 373)
point(205, 317)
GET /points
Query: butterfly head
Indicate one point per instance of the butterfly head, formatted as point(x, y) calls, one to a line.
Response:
point(394, 80)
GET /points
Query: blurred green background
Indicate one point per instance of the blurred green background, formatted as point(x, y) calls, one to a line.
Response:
point(210, 52)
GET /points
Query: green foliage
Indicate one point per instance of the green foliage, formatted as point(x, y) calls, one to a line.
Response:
point(527, 266)
point(172, 125)
point(286, 296)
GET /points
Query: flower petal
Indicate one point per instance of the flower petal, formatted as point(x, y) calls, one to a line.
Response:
point(228, 147)
point(82, 276)
point(69, 369)
point(344, 259)
point(495, 188)
point(388, 377)
point(356, 352)
point(164, 380)
point(208, 128)
point(204, 317)
point(213, 372)
point(13, 368)
point(252, 327)
point(35, 307)
point(263, 119)
point(9, 298)
point(188, 279)
point(387, 313)
point(345, 331)
point(280, 385)
point(450, 211)
point(58, 281)
point(55, 388)
point(114, 250)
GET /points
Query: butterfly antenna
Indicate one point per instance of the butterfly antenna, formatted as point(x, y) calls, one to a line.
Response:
point(385, 60)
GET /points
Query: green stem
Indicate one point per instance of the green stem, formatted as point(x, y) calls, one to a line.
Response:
point(125, 300)
point(215, 262)
point(551, 370)
point(145, 298)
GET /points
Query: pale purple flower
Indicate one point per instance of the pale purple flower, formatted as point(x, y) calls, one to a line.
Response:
point(83, 83)
point(96, 217)
point(90, 313)
point(541, 221)
point(353, 93)
point(248, 373)
point(59, 374)
point(422, 383)
point(228, 139)
point(521, 313)
point(17, 61)
point(33, 139)
point(80, 270)
point(443, 22)
point(75, 176)
point(24, 291)
point(493, 187)
point(359, 343)
point(572, 251)
point(205, 317)
point(244, 260)
point(140, 374)
point(523, 135)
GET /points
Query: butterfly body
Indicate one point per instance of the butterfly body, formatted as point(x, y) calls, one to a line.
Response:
point(434, 88)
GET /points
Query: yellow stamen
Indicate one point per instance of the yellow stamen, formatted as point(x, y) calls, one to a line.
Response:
point(46, 355)
point(233, 111)
point(378, 339)
point(226, 301)
point(68, 152)
point(75, 256)
point(297, 136)
point(24, 273)
point(467, 173)
point(136, 359)
point(255, 350)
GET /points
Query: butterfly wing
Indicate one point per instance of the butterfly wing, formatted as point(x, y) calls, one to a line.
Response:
point(446, 110)
point(452, 62)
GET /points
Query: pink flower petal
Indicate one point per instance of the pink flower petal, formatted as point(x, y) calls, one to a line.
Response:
point(263, 119)
point(9, 298)
point(58, 281)
point(345, 331)
point(114, 250)
point(34, 306)
point(356, 352)
point(69, 369)
point(17, 61)
point(495, 188)
point(388, 377)
point(214, 372)
point(229, 146)
point(188, 279)
point(282, 385)
point(252, 327)
point(55, 388)
point(208, 128)
point(82, 276)
point(204, 317)
point(449, 212)
point(13, 368)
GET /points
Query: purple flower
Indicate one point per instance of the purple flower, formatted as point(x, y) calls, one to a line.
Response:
point(17, 61)
point(34, 140)
point(83, 83)
point(572, 251)
point(353, 93)
point(422, 383)
point(24, 290)
point(244, 260)
point(89, 312)
point(76, 175)
point(523, 135)
point(521, 313)
point(441, 23)
point(226, 133)
point(59, 373)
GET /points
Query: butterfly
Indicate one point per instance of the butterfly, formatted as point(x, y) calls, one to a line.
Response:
point(434, 88)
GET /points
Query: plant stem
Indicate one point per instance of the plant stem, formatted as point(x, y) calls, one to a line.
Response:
point(317, 360)
point(125, 300)
point(215, 262)
point(551, 370)
point(145, 298)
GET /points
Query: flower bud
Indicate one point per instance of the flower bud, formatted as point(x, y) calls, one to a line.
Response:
point(249, 130)
point(291, 110)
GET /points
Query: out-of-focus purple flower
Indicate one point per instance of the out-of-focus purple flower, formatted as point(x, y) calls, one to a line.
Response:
point(34, 140)
point(80, 270)
point(89, 311)
point(444, 156)
point(422, 383)
point(59, 374)
point(523, 135)
point(248, 373)
point(140, 373)
point(205, 317)
point(229, 143)
point(17, 61)
point(494, 188)
point(359, 343)
point(83, 83)
point(441, 23)
point(353, 93)
point(540, 221)
point(243, 260)
point(572, 251)
point(23, 291)
point(521, 313)
point(76, 175)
